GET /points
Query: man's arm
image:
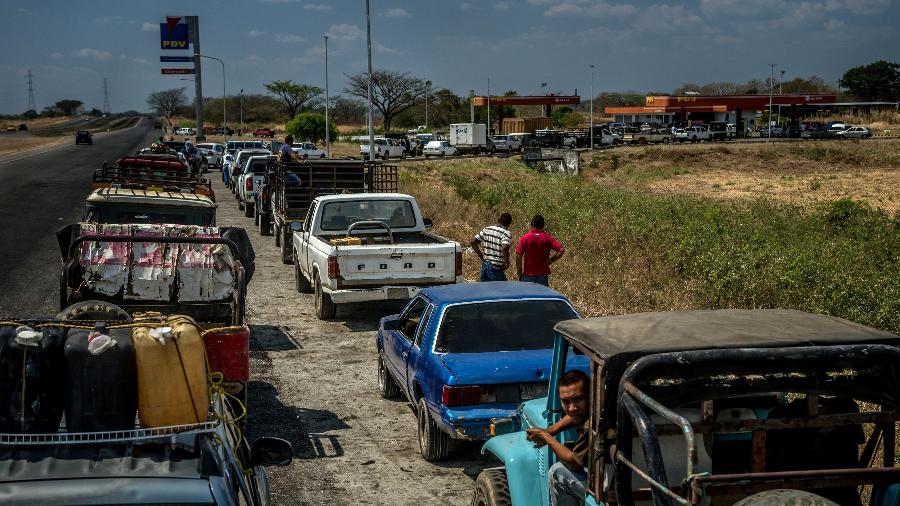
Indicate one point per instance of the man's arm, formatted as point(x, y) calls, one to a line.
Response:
point(519, 265)
point(506, 257)
point(556, 255)
point(476, 246)
point(541, 437)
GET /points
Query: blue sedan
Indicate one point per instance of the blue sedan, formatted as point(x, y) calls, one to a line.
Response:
point(466, 353)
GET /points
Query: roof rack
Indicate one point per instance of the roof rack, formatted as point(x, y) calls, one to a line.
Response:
point(147, 177)
point(121, 436)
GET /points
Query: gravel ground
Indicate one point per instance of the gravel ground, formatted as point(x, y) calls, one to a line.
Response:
point(314, 384)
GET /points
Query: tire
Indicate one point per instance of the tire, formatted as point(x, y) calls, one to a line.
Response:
point(433, 443)
point(287, 247)
point(403, 155)
point(387, 387)
point(442, 153)
point(255, 216)
point(492, 489)
point(240, 203)
point(785, 497)
point(665, 140)
point(94, 310)
point(277, 236)
point(248, 210)
point(325, 308)
point(300, 282)
point(265, 224)
point(385, 156)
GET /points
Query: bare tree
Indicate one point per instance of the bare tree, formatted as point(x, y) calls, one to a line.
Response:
point(168, 101)
point(392, 92)
point(294, 97)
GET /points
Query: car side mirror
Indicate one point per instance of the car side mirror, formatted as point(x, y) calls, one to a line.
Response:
point(271, 451)
point(296, 226)
point(427, 222)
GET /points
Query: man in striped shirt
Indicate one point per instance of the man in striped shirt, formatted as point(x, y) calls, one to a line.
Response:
point(492, 247)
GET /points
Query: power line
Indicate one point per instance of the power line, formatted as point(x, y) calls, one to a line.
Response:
point(31, 104)
point(105, 97)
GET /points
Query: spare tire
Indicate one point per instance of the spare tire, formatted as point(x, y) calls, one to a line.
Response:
point(785, 497)
point(94, 310)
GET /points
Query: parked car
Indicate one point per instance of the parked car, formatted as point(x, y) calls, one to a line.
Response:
point(776, 131)
point(373, 246)
point(791, 132)
point(83, 137)
point(854, 133)
point(693, 134)
point(307, 150)
point(264, 132)
point(467, 353)
point(250, 180)
point(222, 131)
point(439, 148)
point(240, 163)
point(645, 135)
point(713, 407)
point(507, 143)
point(213, 152)
point(816, 132)
point(234, 146)
point(186, 131)
point(384, 149)
point(23, 127)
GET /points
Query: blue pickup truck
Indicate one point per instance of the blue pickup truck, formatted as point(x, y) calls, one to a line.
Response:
point(466, 353)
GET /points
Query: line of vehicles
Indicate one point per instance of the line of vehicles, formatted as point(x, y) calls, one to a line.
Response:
point(687, 407)
point(136, 391)
point(693, 407)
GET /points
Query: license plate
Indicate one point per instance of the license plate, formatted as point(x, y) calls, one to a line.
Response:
point(397, 293)
point(528, 391)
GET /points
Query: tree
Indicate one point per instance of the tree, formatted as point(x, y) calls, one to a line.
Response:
point(878, 81)
point(310, 126)
point(565, 117)
point(392, 92)
point(96, 112)
point(348, 111)
point(69, 106)
point(167, 102)
point(294, 97)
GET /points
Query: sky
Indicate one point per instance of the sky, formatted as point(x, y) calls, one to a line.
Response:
point(651, 45)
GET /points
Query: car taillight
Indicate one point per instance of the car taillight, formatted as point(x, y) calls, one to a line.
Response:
point(460, 396)
point(334, 270)
point(265, 197)
point(459, 263)
point(248, 184)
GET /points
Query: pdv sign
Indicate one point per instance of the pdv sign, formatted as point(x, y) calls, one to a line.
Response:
point(172, 34)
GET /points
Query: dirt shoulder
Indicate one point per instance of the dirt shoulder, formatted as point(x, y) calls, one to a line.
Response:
point(314, 384)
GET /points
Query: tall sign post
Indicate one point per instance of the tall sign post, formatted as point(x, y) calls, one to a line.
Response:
point(194, 32)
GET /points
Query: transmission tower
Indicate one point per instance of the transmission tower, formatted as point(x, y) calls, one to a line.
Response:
point(31, 105)
point(105, 97)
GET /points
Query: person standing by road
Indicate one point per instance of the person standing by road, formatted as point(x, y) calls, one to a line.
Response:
point(533, 258)
point(568, 477)
point(286, 154)
point(494, 255)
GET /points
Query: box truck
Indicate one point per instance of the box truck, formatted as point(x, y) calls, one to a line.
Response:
point(470, 138)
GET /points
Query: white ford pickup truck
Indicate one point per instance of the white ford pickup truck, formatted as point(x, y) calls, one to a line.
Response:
point(362, 247)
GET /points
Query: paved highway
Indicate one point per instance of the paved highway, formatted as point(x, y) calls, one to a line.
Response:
point(39, 193)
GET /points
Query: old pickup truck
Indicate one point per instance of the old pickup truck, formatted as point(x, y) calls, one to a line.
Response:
point(648, 135)
point(354, 248)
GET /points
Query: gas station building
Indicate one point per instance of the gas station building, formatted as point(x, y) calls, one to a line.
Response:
point(737, 109)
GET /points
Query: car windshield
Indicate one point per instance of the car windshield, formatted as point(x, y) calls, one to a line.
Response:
point(513, 325)
point(258, 166)
point(340, 215)
point(433, 144)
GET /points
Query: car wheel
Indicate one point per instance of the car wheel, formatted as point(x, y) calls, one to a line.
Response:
point(387, 387)
point(385, 155)
point(492, 489)
point(94, 310)
point(248, 210)
point(442, 153)
point(240, 203)
point(665, 140)
point(323, 155)
point(300, 282)
point(433, 443)
point(287, 247)
point(426, 156)
point(264, 224)
point(785, 497)
point(325, 308)
point(403, 155)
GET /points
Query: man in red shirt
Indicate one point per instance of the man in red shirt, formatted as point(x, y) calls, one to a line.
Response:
point(533, 258)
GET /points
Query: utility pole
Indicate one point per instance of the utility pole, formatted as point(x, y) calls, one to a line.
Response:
point(427, 88)
point(327, 132)
point(105, 96)
point(780, 82)
point(194, 35)
point(592, 107)
point(369, 91)
point(771, 88)
point(241, 131)
point(489, 109)
point(472, 106)
point(31, 104)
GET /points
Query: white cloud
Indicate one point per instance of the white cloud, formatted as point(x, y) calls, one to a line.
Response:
point(96, 54)
point(123, 57)
point(150, 27)
point(345, 32)
point(290, 38)
point(501, 6)
point(599, 9)
point(256, 33)
point(57, 56)
point(397, 12)
point(317, 7)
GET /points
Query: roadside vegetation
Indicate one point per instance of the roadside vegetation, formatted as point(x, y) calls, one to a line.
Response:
point(630, 250)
